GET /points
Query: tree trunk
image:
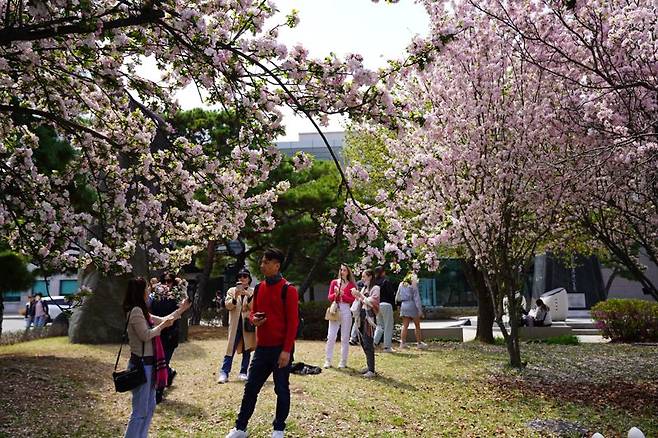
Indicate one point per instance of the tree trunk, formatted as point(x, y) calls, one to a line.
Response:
point(100, 318)
point(201, 298)
point(486, 316)
point(316, 265)
point(608, 284)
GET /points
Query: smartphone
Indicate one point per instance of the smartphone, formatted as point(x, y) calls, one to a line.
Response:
point(259, 315)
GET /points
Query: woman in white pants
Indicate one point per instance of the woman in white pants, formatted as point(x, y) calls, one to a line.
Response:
point(340, 291)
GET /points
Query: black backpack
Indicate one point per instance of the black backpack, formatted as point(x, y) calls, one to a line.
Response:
point(44, 306)
point(284, 295)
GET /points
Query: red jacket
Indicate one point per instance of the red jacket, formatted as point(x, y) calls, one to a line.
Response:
point(280, 327)
point(347, 296)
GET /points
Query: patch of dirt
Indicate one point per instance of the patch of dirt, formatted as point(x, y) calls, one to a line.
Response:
point(639, 398)
point(204, 332)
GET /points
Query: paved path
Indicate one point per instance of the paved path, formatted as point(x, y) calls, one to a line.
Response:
point(12, 323)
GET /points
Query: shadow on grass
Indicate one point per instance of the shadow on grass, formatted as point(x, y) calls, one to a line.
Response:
point(386, 380)
point(181, 409)
point(62, 393)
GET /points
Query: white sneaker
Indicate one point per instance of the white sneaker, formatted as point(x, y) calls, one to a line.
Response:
point(342, 364)
point(223, 378)
point(403, 345)
point(327, 364)
point(277, 434)
point(237, 433)
point(369, 375)
point(243, 377)
point(388, 350)
point(422, 346)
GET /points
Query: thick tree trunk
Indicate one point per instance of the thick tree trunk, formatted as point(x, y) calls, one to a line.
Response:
point(100, 318)
point(201, 297)
point(486, 315)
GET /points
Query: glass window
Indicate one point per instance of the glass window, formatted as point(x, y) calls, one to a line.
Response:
point(447, 287)
point(40, 287)
point(68, 287)
point(11, 297)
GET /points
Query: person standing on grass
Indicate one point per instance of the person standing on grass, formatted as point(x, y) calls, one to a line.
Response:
point(365, 313)
point(241, 332)
point(274, 312)
point(411, 309)
point(385, 320)
point(340, 291)
point(164, 300)
point(146, 350)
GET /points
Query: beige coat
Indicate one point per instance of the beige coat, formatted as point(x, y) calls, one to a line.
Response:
point(242, 304)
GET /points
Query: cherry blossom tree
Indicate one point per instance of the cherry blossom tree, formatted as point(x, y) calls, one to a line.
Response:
point(604, 53)
point(156, 198)
point(476, 174)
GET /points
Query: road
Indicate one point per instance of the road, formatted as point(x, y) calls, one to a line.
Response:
point(13, 324)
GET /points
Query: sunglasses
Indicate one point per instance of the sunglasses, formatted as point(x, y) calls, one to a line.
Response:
point(243, 276)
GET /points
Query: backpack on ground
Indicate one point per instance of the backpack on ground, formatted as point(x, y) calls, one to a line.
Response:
point(284, 295)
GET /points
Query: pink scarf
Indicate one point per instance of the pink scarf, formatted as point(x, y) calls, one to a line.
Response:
point(161, 369)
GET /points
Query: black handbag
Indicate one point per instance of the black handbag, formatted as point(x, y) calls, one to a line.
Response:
point(129, 379)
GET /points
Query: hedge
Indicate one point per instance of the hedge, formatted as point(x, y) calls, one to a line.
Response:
point(627, 320)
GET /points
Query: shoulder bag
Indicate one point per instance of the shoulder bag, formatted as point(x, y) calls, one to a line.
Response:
point(129, 379)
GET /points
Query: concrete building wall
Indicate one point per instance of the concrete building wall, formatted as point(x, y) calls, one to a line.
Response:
point(312, 144)
point(623, 288)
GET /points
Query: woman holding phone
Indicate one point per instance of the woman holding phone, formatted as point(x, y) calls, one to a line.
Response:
point(241, 333)
point(366, 310)
point(146, 350)
point(340, 291)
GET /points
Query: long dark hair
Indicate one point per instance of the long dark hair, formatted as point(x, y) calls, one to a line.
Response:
point(135, 296)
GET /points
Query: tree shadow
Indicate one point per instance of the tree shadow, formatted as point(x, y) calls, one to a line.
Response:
point(181, 408)
point(56, 396)
point(380, 378)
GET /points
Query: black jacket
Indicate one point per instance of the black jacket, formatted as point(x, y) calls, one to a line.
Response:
point(386, 291)
point(164, 307)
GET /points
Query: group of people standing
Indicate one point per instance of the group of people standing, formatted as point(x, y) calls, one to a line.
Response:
point(365, 314)
point(263, 323)
point(36, 311)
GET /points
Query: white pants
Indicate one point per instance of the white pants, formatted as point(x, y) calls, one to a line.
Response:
point(345, 325)
point(384, 325)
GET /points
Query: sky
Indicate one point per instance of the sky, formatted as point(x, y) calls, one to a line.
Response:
point(377, 31)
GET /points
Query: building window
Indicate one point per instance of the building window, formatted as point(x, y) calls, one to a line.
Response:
point(40, 288)
point(68, 287)
point(11, 297)
point(447, 287)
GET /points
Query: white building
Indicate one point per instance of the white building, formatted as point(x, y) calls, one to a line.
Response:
point(312, 144)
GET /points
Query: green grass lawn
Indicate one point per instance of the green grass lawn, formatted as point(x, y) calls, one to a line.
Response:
point(52, 388)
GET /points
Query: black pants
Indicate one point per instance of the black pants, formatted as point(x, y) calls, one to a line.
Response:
point(367, 344)
point(265, 362)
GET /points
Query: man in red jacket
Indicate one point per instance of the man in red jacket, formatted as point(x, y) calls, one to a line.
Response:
point(275, 316)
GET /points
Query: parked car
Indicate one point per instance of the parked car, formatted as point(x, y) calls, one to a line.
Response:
point(56, 304)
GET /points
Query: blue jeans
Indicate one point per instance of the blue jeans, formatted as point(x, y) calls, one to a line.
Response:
point(40, 321)
point(246, 355)
point(384, 325)
point(265, 363)
point(28, 322)
point(143, 407)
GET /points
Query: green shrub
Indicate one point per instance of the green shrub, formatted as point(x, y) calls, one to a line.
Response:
point(561, 340)
point(315, 326)
point(625, 320)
